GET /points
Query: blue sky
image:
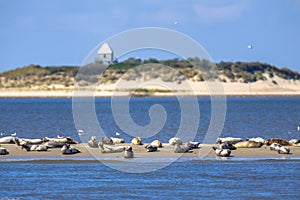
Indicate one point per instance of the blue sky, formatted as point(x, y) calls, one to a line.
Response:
point(63, 32)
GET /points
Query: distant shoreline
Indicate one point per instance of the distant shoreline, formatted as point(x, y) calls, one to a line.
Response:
point(69, 94)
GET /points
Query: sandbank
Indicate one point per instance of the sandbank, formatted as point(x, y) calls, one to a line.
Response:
point(87, 153)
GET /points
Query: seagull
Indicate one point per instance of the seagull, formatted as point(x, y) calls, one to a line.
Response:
point(250, 46)
point(298, 128)
point(80, 132)
point(60, 137)
point(117, 133)
point(14, 134)
point(2, 134)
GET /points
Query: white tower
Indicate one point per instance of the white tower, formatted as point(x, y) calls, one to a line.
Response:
point(105, 53)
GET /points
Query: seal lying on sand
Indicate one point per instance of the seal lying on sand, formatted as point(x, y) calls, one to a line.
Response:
point(22, 141)
point(248, 144)
point(3, 151)
point(54, 144)
point(150, 148)
point(295, 142)
point(67, 149)
point(110, 148)
point(284, 150)
point(227, 145)
point(230, 140)
point(34, 147)
point(222, 152)
point(175, 140)
point(136, 141)
point(68, 140)
point(257, 139)
point(106, 140)
point(156, 143)
point(128, 153)
point(182, 149)
point(279, 148)
point(277, 140)
point(117, 140)
point(192, 145)
point(7, 140)
point(93, 142)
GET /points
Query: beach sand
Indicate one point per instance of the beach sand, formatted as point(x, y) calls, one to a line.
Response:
point(15, 152)
point(187, 88)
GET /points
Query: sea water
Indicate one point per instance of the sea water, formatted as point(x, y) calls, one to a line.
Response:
point(251, 178)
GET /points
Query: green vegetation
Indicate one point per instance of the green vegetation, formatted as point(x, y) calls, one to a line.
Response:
point(172, 70)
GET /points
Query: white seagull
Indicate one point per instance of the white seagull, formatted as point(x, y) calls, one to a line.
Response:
point(298, 128)
point(80, 132)
point(14, 134)
point(250, 46)
point(117, 133)
point(60, 137)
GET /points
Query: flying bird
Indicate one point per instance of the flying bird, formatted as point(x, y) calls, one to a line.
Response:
point(250, 46)
point(298, 128)
point(80, 132)
point(117, 133)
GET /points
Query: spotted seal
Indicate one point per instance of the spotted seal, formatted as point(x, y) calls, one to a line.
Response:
point(128, 153)
point(93, 142)
point(277, 140)
point(248, 144)
point(175, 140)
point(182, 149)
point(3, 151)
point(67, 149)
point(110, 148)
point(150, 148)
point(222, 152)
point(230, 140)
point(156, 143)
point(137, 141)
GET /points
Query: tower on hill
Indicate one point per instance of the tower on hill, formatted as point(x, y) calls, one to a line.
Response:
point(105, 54)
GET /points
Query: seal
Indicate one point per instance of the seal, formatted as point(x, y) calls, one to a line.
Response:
point(93, 142)
point(3, 151)
point(283, 150)
point(106, 140)
point(128, 153)
point(67, 149)
point(156, 143)
point(7, 140)
point(222, 152)
point(192, 145)
point(248, 144)
point(117, 140)
point(227, 145)
point(279, 148)
point(294, 142)
point(277, 140)
point(150, 148)
point(136, 141)
point(54, 144)
point(275, 146)
point(34, 147)
point(182, 149)
point(257, 139)
point(68, 140)
point(110, 148)
point(175, 140)
point(230, 140)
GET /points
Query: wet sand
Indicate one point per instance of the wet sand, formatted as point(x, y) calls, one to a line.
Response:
point(15, 152)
